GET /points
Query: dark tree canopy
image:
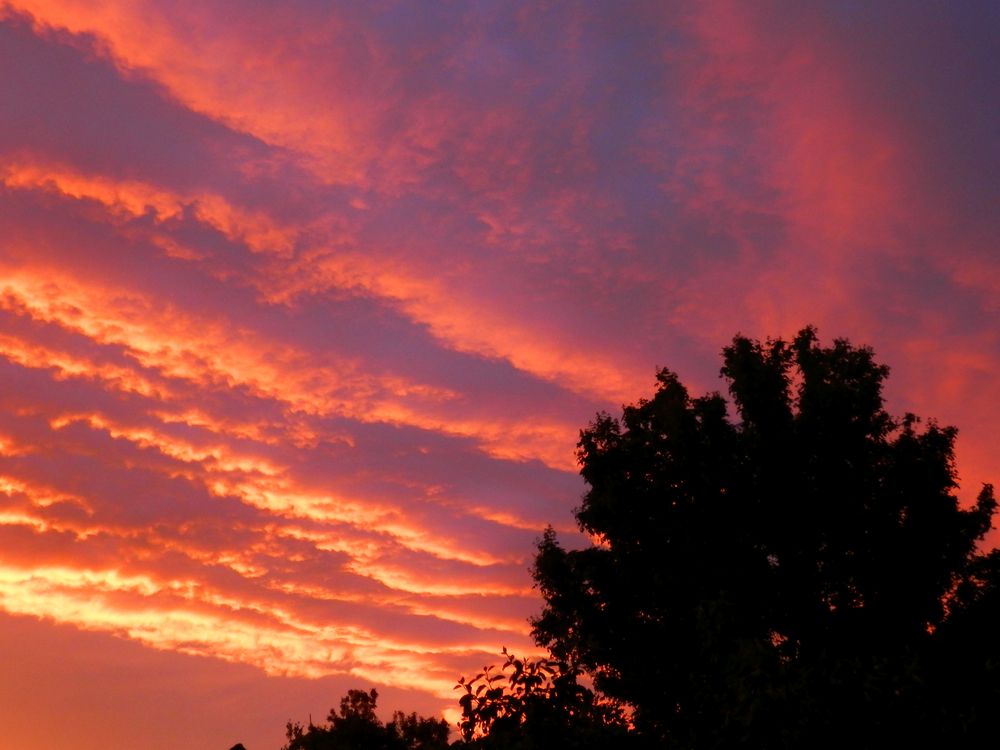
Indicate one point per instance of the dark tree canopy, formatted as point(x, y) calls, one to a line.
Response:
point(796, 574)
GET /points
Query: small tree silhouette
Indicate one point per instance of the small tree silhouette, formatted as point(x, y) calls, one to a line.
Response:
point(356, 726)
point(536, 703)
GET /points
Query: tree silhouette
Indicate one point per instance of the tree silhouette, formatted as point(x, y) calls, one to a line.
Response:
point(799, 575)
point(539, 704)
point(355, 726)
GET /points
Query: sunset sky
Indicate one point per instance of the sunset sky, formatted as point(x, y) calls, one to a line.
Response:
point(303, 304)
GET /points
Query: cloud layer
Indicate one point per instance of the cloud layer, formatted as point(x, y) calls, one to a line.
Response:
point(301, 309)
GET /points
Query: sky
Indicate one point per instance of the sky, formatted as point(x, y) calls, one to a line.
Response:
point(303, 305)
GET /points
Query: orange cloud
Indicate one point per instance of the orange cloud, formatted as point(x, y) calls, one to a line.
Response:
point(132, 199)
point(301, 308)
point(209, 353)
point(280, 108)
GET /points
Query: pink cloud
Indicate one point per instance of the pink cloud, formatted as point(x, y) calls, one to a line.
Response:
point(301, 310)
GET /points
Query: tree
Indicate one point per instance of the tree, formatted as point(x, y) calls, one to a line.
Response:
point(357, 727)
point(797, 575)
point(540, 704)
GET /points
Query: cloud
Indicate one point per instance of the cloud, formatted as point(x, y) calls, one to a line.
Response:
point(302, 308)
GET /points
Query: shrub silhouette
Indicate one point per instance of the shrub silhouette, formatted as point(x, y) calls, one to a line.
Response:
point(355, 726)
point(539, 704)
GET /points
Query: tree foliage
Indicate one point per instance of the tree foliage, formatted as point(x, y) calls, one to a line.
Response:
point(539, 704)
point(799, 573)
point(355, 726)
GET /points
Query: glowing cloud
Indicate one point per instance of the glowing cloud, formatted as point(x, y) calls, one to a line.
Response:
point(301, 308)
